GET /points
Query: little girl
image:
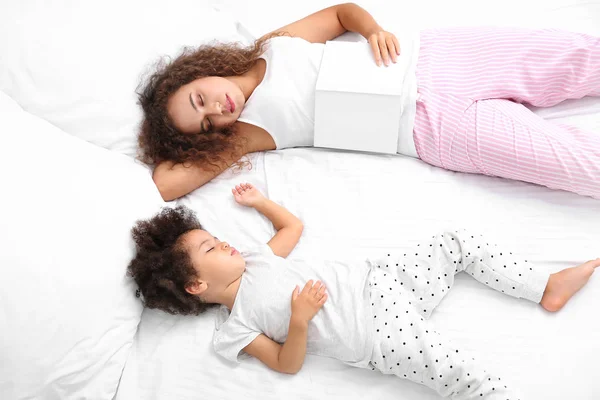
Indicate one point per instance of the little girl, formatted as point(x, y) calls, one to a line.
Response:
point(367, 314)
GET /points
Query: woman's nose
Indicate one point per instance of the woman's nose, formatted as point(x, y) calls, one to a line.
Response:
point(215, 109)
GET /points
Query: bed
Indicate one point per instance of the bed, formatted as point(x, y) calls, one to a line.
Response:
point(351, 204)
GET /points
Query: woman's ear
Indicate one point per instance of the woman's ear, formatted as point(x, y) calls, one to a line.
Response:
point(197, 287)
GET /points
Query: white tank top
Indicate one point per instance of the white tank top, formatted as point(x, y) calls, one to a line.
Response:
point(283, 104)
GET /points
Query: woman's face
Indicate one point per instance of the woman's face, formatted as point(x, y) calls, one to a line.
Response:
point(206, 104)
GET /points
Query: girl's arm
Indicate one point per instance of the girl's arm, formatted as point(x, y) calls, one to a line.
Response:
point(289, 357)
point(289, 227)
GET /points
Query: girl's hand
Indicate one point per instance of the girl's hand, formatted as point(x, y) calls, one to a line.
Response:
point(247, 195)
point(385, 46)
point(306, 303)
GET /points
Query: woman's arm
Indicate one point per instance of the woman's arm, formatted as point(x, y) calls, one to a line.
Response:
point(331, 22)
point(174, 180)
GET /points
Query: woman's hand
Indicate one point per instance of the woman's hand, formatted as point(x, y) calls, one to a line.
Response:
point(385, 46)
point(306, 303)
point(247, 195)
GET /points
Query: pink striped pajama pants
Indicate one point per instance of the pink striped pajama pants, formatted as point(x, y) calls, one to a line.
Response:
point(471, 84)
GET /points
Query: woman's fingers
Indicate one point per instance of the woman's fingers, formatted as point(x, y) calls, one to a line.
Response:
point(396, 44)
point(383, 48)
point(375, 47)
point(389, 41)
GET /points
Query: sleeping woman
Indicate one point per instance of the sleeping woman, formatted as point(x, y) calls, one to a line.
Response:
point(464, 102)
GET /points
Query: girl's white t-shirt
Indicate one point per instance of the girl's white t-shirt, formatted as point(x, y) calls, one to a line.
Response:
point(341, 329)
point(283, 104)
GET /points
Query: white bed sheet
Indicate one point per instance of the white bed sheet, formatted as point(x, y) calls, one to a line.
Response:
point(354, 204)
point(373, 204)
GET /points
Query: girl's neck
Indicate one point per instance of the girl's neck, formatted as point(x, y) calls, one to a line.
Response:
point(228, 295)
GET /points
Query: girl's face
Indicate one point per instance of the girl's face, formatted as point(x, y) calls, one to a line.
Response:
point(206, 104)
point(216, 263)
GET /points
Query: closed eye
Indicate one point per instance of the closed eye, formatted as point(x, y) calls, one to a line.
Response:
point(209, 126)
point(212, 248)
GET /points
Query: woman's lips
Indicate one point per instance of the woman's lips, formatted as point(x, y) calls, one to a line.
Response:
point(234, 252)
point(230, 104)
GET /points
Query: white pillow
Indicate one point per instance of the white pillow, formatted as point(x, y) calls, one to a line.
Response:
point(68, 312)
point(77, 64)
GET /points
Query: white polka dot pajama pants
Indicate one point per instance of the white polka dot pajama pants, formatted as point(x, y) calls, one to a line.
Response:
point(406, 288)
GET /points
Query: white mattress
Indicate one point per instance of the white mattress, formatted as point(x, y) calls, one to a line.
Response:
point(362, 204)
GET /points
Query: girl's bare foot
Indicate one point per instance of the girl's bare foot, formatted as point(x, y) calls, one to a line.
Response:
point(564, 284)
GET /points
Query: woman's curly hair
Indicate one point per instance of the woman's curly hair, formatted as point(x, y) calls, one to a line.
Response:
point(158, 139)
point(162, 267)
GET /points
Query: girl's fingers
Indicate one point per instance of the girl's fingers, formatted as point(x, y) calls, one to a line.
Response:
point(321, 290)
point(308, 286)
point(320, 295)
point(315, 289)
point(323, 300)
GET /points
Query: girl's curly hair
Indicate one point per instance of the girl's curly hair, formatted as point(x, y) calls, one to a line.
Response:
point(162, 267)
point(158, 139)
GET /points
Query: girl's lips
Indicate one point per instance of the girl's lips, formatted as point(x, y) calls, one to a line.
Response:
point(230, 103)
point(234, 251)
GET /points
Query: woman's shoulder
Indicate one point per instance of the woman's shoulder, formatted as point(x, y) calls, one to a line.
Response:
point(256, 138)
point(286, 40)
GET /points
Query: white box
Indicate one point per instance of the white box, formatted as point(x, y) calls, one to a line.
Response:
point(357, 104)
